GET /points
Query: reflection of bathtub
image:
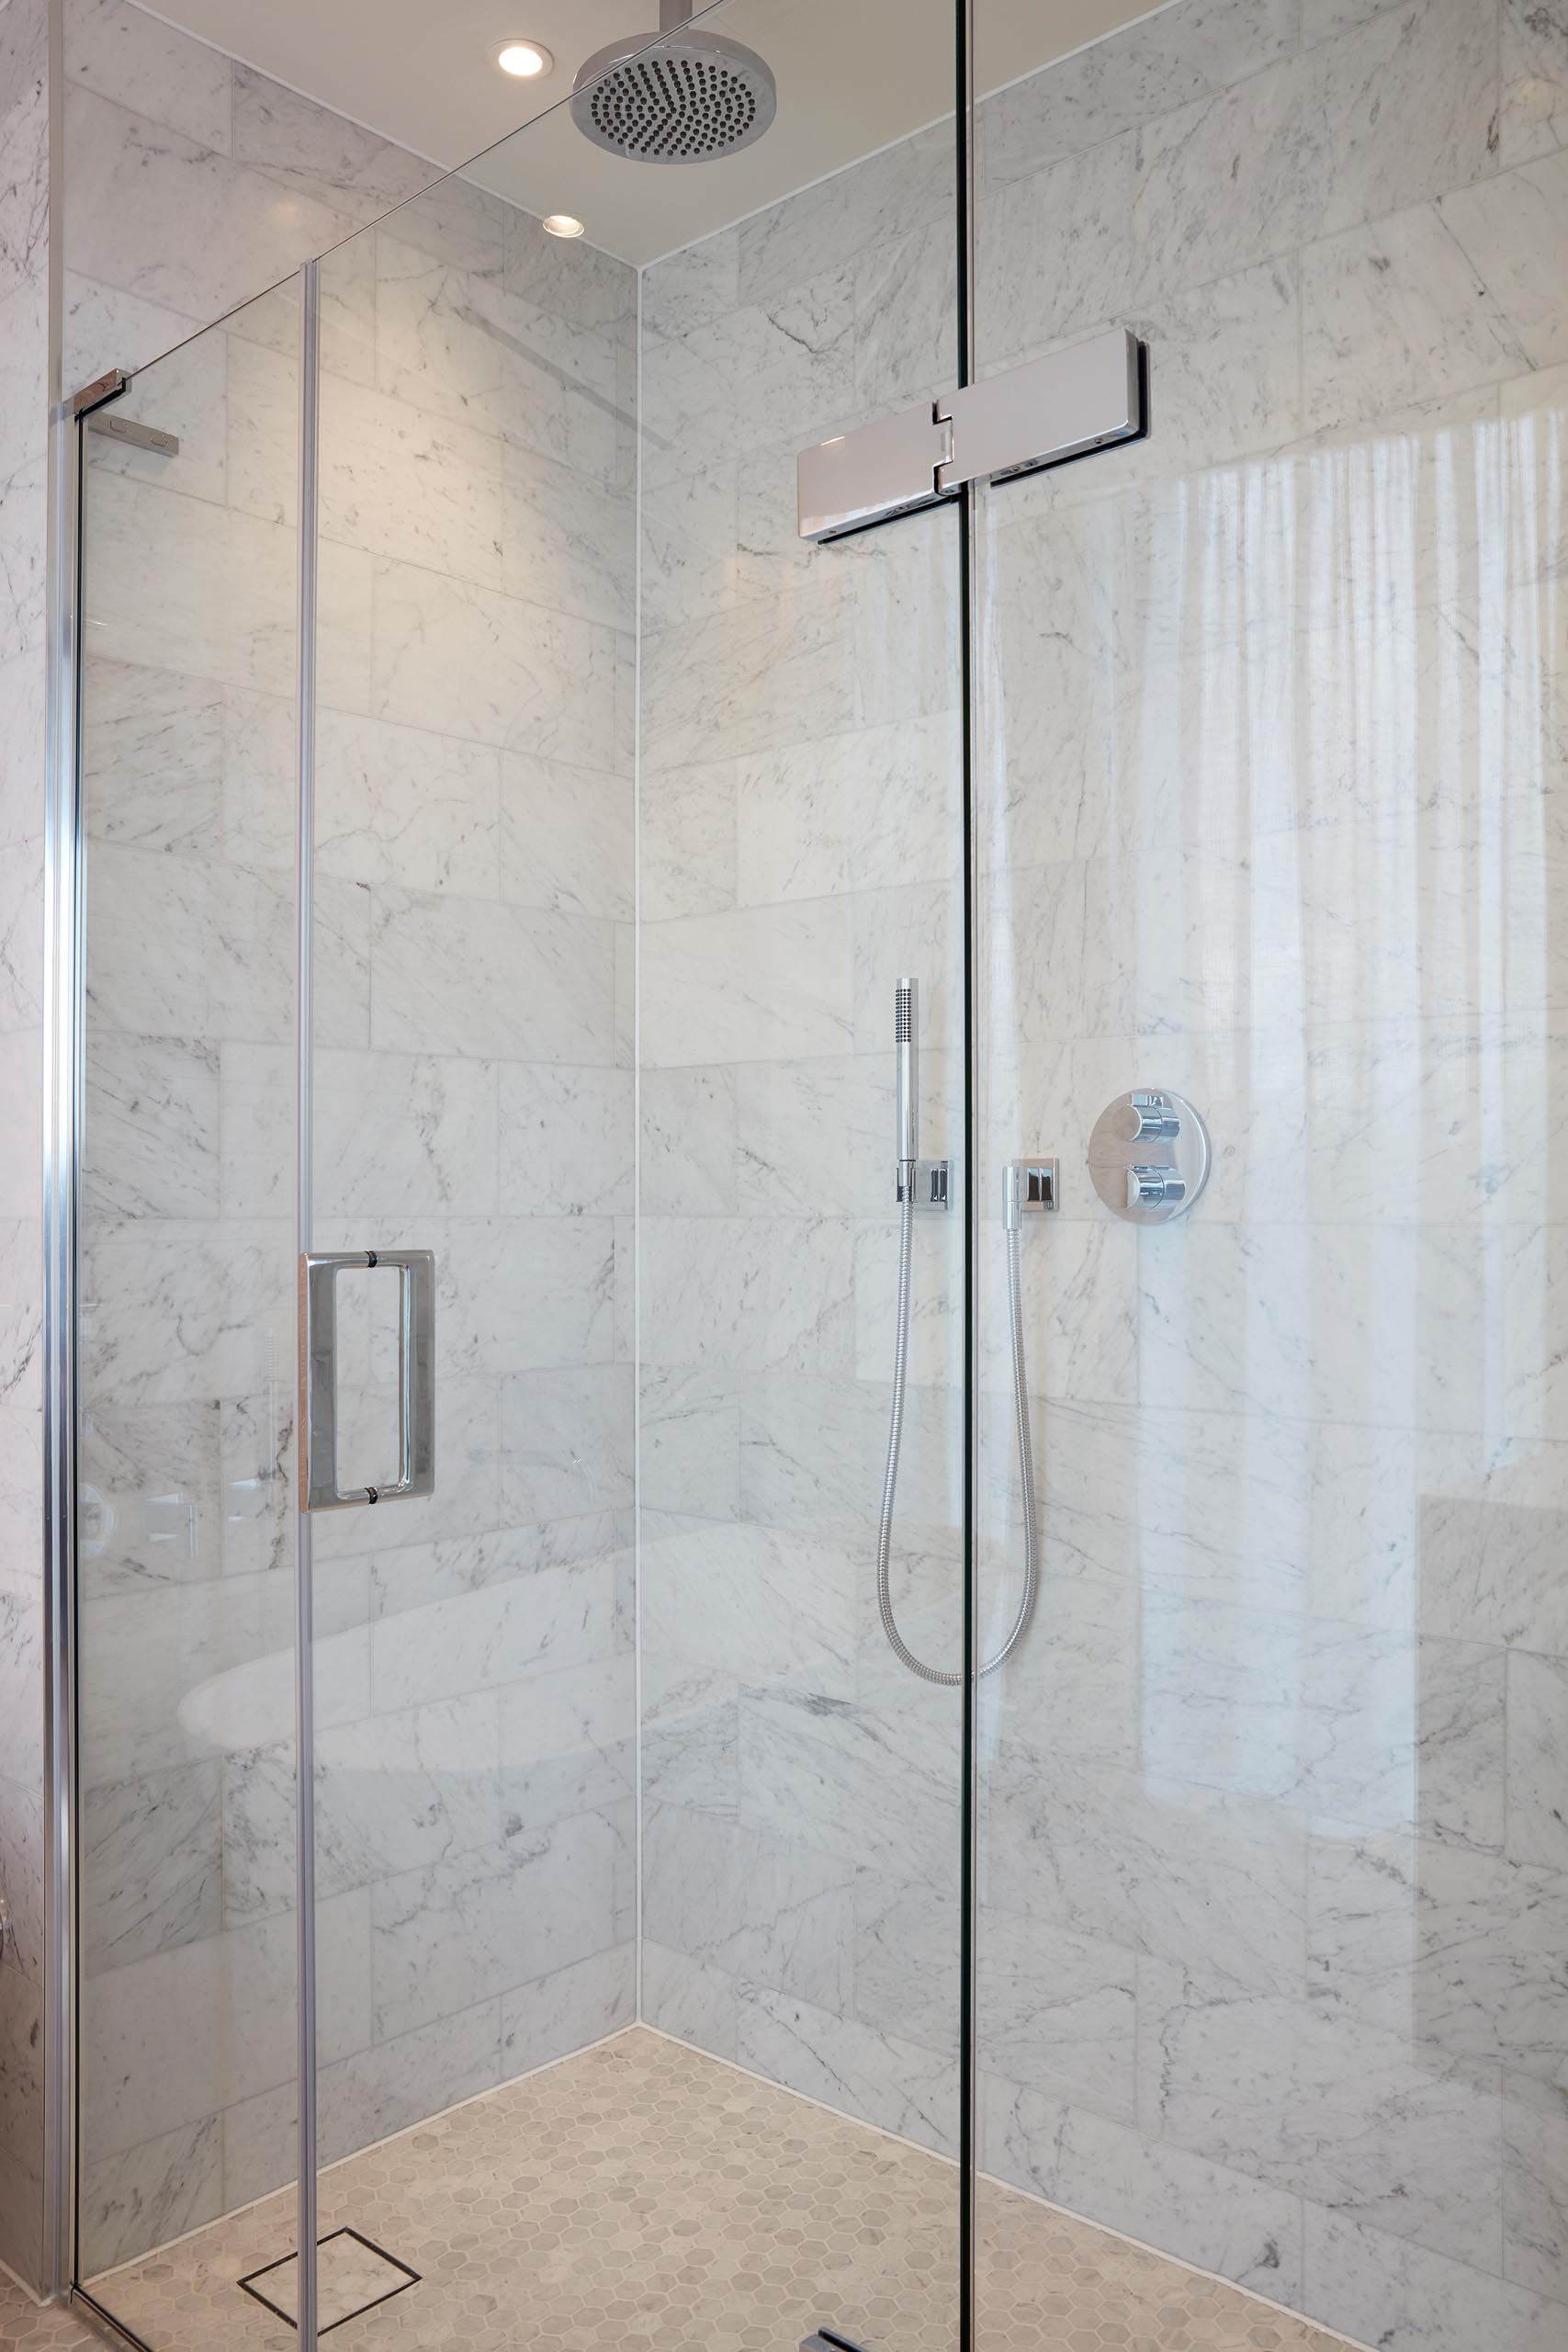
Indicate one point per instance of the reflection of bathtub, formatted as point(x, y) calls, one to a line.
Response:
point(252, 1705)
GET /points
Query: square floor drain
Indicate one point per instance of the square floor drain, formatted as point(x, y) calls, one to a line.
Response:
point(352, 2276)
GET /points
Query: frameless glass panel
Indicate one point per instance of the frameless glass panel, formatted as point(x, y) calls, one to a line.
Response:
point(546, 1719)
point(1272, 1865)
point(185, 1605)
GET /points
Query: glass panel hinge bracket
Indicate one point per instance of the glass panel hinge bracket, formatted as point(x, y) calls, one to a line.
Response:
point(1041, 413)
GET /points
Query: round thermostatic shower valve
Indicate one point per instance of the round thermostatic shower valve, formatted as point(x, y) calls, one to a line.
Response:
point(1148, 1155)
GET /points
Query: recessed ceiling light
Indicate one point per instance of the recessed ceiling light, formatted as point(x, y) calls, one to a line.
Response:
point(561, 224)
point(525, 60)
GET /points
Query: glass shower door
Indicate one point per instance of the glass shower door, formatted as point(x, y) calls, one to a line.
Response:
point(1271, 1865)
point(187, 1368)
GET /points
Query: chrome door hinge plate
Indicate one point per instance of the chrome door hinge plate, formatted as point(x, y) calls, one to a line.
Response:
point(1038, 415)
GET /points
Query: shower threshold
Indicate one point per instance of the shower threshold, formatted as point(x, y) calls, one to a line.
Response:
point(644, 2192)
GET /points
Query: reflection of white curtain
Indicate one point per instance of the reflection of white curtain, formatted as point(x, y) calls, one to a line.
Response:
point(1291, 735)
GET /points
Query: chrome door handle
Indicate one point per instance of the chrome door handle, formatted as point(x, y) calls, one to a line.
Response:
point(318, 1376)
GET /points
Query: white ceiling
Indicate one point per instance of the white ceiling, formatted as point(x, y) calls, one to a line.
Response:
point(853, 76)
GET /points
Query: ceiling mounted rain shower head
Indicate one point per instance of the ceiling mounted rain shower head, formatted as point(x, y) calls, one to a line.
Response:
point(689, 98)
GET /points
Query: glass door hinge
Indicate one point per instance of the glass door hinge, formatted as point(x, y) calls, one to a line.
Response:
point(1038, 415)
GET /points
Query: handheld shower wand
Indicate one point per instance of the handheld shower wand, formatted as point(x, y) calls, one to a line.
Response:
point(906, 1035)
point(906, 1024)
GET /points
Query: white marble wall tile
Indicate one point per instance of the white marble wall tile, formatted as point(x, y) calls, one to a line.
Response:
point(1535, 2186)
point(776, 1612)
point(183, 1310)
point(690, 527)
point(856, 812)
point(150, 2194)
point(1398, 312)
point(778, 366)
point(748, 1293)
point(224, 581)
point(565, 838)
point(519, 1293)
point(1152, 1865)
point(152, 1111)
point(569, 540)
point(362, 2098)
point(1411, 102)
point(1380, 2288)
point(402, 483)
point(862, 1786)
point(1227, 2222)
point(1057, 2011)
point(567, 2009)
point(882, 2078)
point(459, 222)
point(155, 1510)
point(691, 1730)
point(309, 148)
point(1401, 2138)
point(566, 1442)
point(21, 1659)
point(689, 1442)
point(1167, 58)
point(124, 54)
point(130, 177)
point(819, 228)
point(689, 1143)
point(1056, 258)
point(1535, 77)
point(465, 661)
point(23, 315)
point(21, 562)
point(906, 302)
point(770, 984)
point(105, 325)
point(1449, 1948)
point(397, 1137)
point(152, 1855)
point(687, 842)
point(152, 758)
point(812, 1452)
point(21, 1369)
point(397, 805)
point(765, 1911)
point(169, 2039)
point(495, 981)
point(579, 281)
point(1538, 1756)
point(759, 675)
point(567, 1140)
point(1369, 1727)
point(567, 1743)
point(24, 109)
point(484, 1923)
point(1231, 179)
point(435, 1648)
point(1506, 228)
point(688, 1999)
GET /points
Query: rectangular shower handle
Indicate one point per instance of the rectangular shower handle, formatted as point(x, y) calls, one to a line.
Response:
point(318, 1376)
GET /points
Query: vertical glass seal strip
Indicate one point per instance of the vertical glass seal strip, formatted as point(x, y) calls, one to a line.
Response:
point(968, 2050)
point(63, 952)
point(304, 1610)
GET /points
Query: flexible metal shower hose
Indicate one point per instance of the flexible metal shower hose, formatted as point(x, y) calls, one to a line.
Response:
point(901, 1650)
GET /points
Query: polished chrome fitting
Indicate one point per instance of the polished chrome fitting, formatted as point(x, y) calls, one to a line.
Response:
point(927, 1183)
point(1030, 1188)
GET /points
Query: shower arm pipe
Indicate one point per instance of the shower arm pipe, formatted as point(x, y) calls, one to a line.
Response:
point(673, 14)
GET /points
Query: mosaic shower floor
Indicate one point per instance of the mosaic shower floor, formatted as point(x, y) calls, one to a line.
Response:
point(643, 2194)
